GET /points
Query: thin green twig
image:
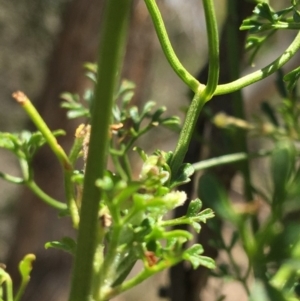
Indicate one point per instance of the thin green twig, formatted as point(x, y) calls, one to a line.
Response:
point(106, 273)
point(70, 194)
point(167, 48)
point(34, 115)
point(10, 178)
point(262, 73)
point(227, 159)
point(45, 197)
point(5, 278)
point(146, 273)
point(213, 48)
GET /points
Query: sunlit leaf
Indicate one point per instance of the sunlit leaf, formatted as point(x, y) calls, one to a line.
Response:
point(66, 244)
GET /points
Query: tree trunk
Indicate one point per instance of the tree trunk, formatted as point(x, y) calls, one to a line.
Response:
point(37, 223)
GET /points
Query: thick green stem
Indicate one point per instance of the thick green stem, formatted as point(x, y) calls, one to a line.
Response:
point(110, 52)
point(166, 46)
point(262, 73)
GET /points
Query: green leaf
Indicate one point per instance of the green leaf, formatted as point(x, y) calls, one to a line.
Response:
point(127, 97)
point(296, 16)
point(66, 244)
point(156, 115)
point(134, 114)
point(106, 183)
point(25, 266)
point(204, 215)
point(69, 98)
point(291, 78)
point(125, 86)
point(72, 114)
point(253, 42)
point(91, 76)
point(196, 226)
point(92, 67)
point(7, 141)
point(194, 208)
point(147, 108)
point(252, 25)
point(193, 256)
point(183, 176)
point(172, 123)
point(141, 152)
point(126, 193)
point(264, 11)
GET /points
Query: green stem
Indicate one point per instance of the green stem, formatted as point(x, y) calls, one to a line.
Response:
point(227, 159)
point(98, 262)
point(202, 95)
point(187, 132)
point(8, 283)
point(278, 25)
point(119, 167)
point(10, 178)
point(78, 143)
point(213, 48)
point(69, 190)
point(167, 48)
point(25, 268)
point(45, 197)
point(111, 49)
point(36, 118)
point(107, 272)
point(146, 273)
point(262, 73)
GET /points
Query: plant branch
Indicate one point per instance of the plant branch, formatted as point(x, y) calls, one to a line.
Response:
point(213, 48)
point(12, 179)
point(110, 52)
point(45, 197)
point(187, 132)
point(262, 73)
point(202, 95)
point(36, 118)
point(72, 206)
point(227, 159)
point(146, 273)
point(167, 48)
point(5, 277)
